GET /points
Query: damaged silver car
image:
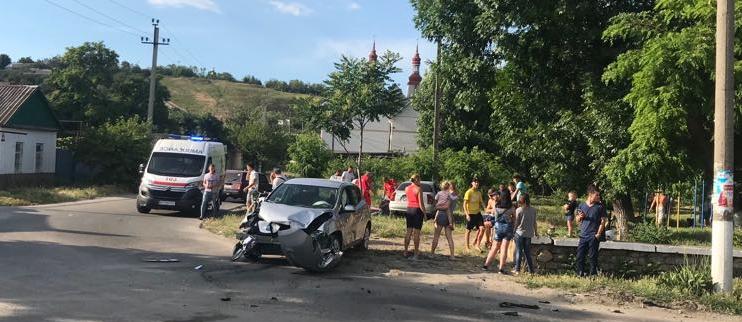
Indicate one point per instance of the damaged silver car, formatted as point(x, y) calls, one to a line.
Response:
point(310, 221)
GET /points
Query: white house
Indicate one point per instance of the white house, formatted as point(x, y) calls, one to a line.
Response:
point(28, 136)
point(397, 134)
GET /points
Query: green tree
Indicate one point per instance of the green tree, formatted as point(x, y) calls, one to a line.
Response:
point(309, 155)
point(115, 149)
point(79, 88)
point(89, 85)
point(249, 79)
point(357, 92)
point(261, 140)
point(25, 60)
point(671, 71)
point(4, 61)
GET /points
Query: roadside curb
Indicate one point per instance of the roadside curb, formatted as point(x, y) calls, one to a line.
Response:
point(82, 202)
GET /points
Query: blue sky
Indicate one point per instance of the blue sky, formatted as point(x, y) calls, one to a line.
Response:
point(283, 39)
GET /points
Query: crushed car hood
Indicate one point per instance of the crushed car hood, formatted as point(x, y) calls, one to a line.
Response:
point(278, 213)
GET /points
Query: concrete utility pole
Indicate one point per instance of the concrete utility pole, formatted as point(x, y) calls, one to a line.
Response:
point(153, 72)
point(436, 110)
point(722, 229)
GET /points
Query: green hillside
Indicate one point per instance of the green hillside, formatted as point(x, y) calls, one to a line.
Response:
point(223, 98)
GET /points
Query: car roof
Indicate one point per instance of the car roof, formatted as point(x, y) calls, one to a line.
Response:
point(430, 183)
point(317, 182)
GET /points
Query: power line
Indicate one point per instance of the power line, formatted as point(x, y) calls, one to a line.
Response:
point(88, 18)
point(172, 34)
point(109, 17)
point(175, 37)
point(130, 9)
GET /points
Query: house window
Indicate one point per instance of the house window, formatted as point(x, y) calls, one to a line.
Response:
point(39, 157)
point(18, 157)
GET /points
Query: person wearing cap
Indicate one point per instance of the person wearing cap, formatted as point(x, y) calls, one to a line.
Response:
point(473, 211)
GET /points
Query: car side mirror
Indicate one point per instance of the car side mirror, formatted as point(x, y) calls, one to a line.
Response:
point(141, 168)
point(349, 208)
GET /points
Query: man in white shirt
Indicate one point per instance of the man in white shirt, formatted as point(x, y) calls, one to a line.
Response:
point(279, 178)
point(252, 184)
point(211, 182)
point(348, 175)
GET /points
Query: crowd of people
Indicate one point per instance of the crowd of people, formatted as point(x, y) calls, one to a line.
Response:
point(505, 216)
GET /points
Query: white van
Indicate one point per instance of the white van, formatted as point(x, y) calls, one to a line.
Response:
point(173, 175)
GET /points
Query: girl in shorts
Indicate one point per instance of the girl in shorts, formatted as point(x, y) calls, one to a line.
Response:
point(443, 217)
point(504, 230)
point(415, 215)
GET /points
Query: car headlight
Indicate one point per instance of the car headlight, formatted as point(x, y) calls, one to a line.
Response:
point(275, 227)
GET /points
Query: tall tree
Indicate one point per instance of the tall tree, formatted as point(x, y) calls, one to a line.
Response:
point(360, 92)
point(4, 61)
point(670, 69)
point(523, 70)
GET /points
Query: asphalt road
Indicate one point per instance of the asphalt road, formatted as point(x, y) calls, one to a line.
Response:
point(87, 262)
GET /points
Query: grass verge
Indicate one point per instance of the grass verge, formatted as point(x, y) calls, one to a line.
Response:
point(39, 195)
point(646, 288)
point(227, 225)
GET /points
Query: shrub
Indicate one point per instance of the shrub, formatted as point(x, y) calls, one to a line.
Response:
point(690, 279)
point(115, 149)
point(648, 232)
point(309, 155)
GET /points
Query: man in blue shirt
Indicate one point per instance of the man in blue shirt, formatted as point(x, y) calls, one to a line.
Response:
point(592, 218)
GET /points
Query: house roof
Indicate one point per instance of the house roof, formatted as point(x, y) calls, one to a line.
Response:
point(14, 97)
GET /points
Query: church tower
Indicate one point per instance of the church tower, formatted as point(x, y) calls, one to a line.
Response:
point(372, 55)
point(415, 77)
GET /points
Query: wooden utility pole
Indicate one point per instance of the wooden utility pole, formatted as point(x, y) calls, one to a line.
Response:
point(436, 112)
point(153, 72)
point(723, 184)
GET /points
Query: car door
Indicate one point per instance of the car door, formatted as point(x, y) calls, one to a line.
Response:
point(344, 221)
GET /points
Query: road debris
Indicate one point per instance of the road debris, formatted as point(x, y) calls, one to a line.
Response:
point(199, 267)
point(617, 311)
point(544, 302)
point(525, 306)
point(161, 260)
point(510, 313)
point(226, 299)
point(274, 298)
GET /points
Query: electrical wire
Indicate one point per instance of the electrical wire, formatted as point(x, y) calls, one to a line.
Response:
point(109, 17)
point(89, 18)
point(172, 34)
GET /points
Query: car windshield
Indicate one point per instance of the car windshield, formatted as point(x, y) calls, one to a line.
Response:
point(306, 196)
point(176, 164)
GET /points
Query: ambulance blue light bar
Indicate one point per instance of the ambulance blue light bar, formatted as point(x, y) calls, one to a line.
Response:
point(188, 137)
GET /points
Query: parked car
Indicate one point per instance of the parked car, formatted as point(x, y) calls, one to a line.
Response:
point(399, 204)
point(310, 221)
point(236, 181)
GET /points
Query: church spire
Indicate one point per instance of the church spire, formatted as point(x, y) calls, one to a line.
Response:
point(415, 77)
point(372, 55)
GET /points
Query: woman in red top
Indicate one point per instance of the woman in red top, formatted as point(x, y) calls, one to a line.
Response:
point(415, 215)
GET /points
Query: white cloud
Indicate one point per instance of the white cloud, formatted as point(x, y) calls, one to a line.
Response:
point(291, 8)
point(354, 6)
point(208, 5)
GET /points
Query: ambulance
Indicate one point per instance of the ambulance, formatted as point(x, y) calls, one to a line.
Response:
point(172, 177)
